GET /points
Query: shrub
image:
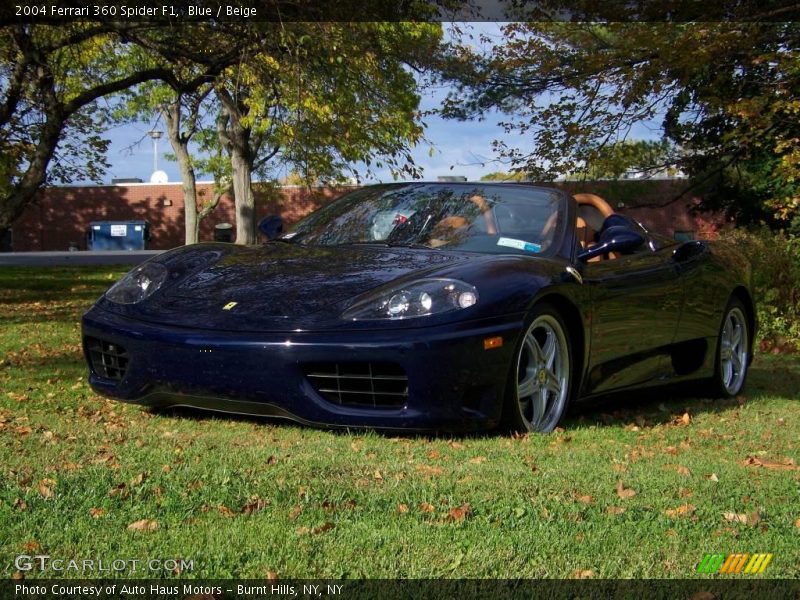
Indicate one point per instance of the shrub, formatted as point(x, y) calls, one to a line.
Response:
point(775, 257)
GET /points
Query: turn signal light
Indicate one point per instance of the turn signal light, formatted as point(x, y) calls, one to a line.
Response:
point(492, 342)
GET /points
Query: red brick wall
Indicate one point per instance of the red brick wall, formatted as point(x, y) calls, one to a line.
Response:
point(61, 215)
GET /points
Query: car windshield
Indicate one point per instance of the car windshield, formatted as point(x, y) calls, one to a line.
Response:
point(472, 217)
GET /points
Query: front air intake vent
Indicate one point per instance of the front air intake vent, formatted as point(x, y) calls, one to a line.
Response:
point(361, 384)
point(107, 359)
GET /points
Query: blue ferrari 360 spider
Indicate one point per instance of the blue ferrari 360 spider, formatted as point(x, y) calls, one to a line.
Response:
point(431, 306)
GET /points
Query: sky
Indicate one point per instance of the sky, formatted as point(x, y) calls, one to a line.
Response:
point(466, 146)
point(459, 147)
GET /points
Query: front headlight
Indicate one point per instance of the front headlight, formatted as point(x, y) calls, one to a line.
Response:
point(138, 284)
point(417, 299)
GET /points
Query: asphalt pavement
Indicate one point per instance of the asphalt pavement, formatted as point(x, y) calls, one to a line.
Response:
point(81, 257)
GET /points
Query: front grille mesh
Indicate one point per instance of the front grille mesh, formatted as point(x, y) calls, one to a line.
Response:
point(107, 359)
point(361, 384)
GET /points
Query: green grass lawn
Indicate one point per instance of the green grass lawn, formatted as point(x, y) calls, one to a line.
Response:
point(637, 488)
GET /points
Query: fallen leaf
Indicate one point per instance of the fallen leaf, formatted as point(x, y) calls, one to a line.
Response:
point(456, 445)
point(459, 513)
point(478, 460)
point(139, 479)
point(253, 506)
point(426, 507)
point(45, 487)
point(96, 513)
point(685, 493)
point(671, 450)
point(785, 464)
point(433, 454)
point(272, 460)
point(429, 470)
point(378, 476)
point(20, 504)
point(403, 509)
point(350, 504)
point(712, 477)
point(797, 523)
point(177, 570)
point(295, 512)
point(583, 499)
point(583, 574)
point(681, 470)
point(624, 492)
point(143, 525)
point(355, 447)
point(684, 419)
point(272, 576)
point(734, 517)
point(327, 526)
point(615, 510)
point(703, 595)
point(683, 509)
point(120, 490)
point(32, 546)
point(165, 469)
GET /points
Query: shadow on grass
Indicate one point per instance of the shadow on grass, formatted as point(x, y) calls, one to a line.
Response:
point(769, 377)
point(646, 407)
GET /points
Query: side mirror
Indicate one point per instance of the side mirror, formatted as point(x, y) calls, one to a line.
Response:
point(271, 226)
point(617, 238)
point(689, 250)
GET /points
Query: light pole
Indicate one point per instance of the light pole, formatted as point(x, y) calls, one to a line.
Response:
point(156, 135)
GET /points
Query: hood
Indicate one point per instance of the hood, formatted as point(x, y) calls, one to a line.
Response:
point(282, 286)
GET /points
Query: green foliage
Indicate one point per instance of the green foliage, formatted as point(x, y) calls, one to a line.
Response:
point(645, 157)
point(725, 94)
point(775, 257)
point(505, 176)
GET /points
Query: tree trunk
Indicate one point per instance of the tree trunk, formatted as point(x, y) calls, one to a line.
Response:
point(245, 201)
point(180, 145)
point(13, 204)
point(235, 138)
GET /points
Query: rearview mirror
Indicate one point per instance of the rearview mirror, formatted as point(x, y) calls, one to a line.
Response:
point(271, 226)
point(613, 239)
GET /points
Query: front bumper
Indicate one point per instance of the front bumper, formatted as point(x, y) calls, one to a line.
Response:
point(453, 382)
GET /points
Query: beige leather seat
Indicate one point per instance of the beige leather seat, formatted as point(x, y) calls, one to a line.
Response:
point(592, 211)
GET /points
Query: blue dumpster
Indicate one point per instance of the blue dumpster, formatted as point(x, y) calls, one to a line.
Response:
point(117, 235)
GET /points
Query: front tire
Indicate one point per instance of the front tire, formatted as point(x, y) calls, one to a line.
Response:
point(540, 378)
point(733, 351)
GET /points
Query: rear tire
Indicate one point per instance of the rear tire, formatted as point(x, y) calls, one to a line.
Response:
point(733, 351)
point(540, 379)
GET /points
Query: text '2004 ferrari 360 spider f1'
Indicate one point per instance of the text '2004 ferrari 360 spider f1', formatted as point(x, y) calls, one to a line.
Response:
point(430, 306)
